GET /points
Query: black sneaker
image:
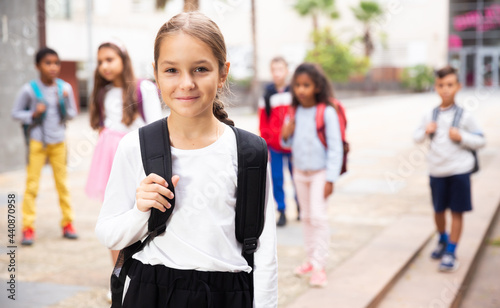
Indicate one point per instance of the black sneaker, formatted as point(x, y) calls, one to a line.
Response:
point(439, 251)
point(282, 220)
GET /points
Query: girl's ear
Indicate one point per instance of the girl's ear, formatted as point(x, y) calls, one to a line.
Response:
point(155, 73)
point(224, 75)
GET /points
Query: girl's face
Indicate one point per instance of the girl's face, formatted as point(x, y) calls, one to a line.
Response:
point(188, 75)
point(109, 65)
point(305, 90)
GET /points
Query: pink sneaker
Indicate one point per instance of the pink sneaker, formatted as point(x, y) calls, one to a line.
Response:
point(318, 279)
point(304, 269)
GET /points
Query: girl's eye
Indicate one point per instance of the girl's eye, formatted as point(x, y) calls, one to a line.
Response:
point(201, 69)
point(170, 70)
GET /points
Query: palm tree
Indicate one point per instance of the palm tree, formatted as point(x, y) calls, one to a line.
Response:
point(316, 7)
point(367, 13)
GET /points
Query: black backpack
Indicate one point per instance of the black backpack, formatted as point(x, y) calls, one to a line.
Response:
point(250, 202)
point(456, 121)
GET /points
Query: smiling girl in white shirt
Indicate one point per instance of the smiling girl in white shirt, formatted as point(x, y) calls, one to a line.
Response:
point(197, 262)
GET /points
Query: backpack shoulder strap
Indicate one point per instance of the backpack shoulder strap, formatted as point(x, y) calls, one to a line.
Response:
point(36, 90)
point(156, 158)
point(140, 102)
point(250, 193)
point(435, 113)
point(251, 190)
point(60, 95)
point(339, 108)
point(459, 111)
point(320, 122)
point(39, 96)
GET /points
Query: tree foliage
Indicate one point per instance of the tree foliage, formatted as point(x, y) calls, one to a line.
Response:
point(335, 57)
point(315, 8)
point(418, 78)
point(367, 13)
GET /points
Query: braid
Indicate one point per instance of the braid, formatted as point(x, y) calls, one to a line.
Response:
point(220, 113)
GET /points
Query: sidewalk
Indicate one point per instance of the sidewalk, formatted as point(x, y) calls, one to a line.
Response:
point(387, 180)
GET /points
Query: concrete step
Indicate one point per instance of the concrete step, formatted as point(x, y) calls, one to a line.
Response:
point(395, 270)
point(421, 285)
point(365, 277)
point(484, 290)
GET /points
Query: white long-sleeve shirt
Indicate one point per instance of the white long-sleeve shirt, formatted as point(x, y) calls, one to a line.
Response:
point(200, 234)
point(446, 157)
point(113, 107)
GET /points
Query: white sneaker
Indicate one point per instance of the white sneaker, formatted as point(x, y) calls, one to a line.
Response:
point(449, 263)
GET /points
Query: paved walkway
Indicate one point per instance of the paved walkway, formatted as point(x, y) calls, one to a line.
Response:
point(387, 179)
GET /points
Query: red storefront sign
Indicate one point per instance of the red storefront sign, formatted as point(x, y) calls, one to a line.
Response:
point(475, 19)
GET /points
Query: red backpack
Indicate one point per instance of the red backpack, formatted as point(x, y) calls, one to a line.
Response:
point(320, 126)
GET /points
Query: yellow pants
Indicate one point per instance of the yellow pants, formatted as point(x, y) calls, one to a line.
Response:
point(37, 157)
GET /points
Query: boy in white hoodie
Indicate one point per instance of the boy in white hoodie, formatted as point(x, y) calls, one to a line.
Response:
point(454, 136)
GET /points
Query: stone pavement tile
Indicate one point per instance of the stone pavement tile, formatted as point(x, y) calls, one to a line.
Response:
point(38, 294)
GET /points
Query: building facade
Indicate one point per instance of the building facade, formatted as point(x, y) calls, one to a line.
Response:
point(474, 41)
point(401, 36)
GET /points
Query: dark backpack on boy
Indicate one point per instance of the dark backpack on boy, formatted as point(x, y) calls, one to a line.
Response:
point(459, 111)
point(250, 201)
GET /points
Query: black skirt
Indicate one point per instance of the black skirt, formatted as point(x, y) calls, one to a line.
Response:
point(159, 286)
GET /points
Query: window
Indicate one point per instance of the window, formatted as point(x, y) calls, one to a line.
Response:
point(58, 9)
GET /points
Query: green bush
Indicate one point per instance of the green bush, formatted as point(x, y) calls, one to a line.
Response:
point(335, 57)
point(418, 78)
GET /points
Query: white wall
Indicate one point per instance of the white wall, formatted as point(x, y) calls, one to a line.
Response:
point(417, 33)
